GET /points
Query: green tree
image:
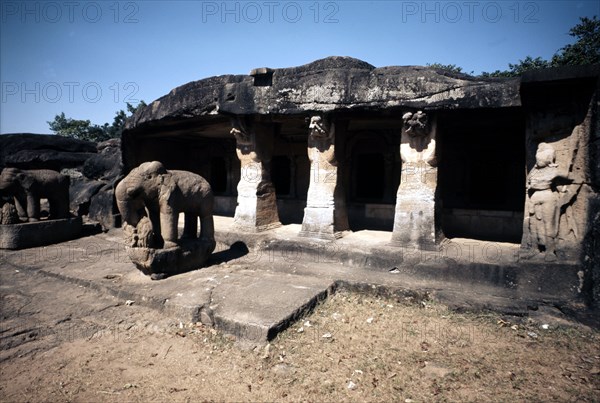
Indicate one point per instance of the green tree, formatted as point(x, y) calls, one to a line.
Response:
point(448, 67)
point(79, 129)
point(85, 130)
point(586, 50)
point(529, 63)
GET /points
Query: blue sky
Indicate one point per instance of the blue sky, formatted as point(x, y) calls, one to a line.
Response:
point(87, 58)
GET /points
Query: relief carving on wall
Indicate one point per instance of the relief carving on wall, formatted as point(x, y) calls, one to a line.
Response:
point(550, 195)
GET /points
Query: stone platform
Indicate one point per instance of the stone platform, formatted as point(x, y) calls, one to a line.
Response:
point(44, 232)
point(255, 285)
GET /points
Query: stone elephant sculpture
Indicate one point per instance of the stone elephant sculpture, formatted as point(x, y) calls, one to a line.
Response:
point(27, 187)
point(161, 194)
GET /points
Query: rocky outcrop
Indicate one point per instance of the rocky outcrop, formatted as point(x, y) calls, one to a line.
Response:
point(93, 168)
point(40, 151)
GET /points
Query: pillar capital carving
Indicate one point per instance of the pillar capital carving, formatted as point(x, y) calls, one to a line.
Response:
point(320, 128)
point(418, 139)
point(321, 141)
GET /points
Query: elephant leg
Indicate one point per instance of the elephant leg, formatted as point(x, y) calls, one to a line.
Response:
point(154, 215)
point(207, 228)
point(207, 232)
point(33, 208)
point(21, 206)
point(207, 225)
point(190, 228)
point(168, 228)
point(53, 213)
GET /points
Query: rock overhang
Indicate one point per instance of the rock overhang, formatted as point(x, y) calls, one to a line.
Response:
point(333, 84)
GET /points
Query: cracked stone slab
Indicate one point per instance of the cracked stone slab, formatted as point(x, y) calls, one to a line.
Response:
point(255, 308)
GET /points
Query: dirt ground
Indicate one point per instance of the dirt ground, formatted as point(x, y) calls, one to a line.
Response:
point(62, 342)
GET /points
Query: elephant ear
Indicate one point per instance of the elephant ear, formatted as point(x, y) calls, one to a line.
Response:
point(10, 173)
point(25, 180)
point(167, 188)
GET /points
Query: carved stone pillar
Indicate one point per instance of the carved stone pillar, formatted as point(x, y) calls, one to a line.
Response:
point(256, 201)
point(325, 215)
point(415, 220)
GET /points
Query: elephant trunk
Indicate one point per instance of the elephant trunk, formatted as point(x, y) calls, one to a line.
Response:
point(7, 180)
point(129, 207)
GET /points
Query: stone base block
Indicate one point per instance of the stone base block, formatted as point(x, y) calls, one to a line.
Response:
point(256, 214)
point(415, 225)
point(160, 263)
point(319, 222)
point(44, 232)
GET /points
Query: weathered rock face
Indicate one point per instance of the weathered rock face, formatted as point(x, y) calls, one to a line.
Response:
point(93, 169)
point(344, 83)
point(39, 151)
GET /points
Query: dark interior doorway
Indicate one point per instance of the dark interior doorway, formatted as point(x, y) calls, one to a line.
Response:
point(481, 177)
point(370, 176)
point(281, 175)
point(218, 175)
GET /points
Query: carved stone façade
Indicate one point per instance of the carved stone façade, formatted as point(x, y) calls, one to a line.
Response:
point(338, 145)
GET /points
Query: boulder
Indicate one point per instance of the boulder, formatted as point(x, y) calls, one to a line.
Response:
point(103, 209)
point(81, 193)
point(106, 164)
